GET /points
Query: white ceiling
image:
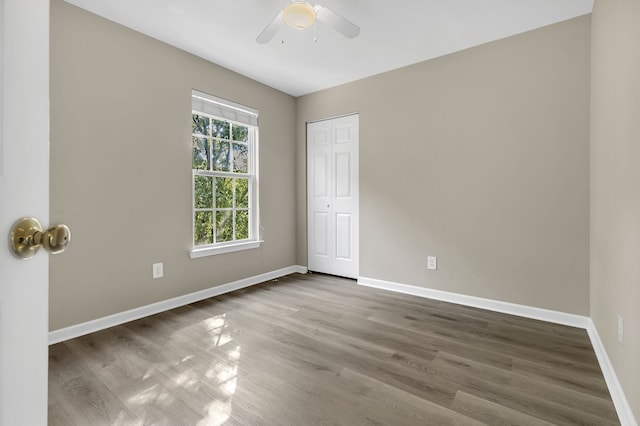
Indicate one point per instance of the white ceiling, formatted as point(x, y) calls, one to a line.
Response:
point(393, 33)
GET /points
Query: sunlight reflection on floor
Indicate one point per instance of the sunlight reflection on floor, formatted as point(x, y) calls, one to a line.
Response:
point(195, 384)
point(219, 411)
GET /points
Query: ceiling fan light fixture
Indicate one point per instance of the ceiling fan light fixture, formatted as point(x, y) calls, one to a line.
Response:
point(299, 16)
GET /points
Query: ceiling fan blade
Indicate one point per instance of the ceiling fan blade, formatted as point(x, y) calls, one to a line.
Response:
point(271, 29)
point(343, 25)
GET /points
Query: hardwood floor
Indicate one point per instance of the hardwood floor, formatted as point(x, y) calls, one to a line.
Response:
point(320, 350)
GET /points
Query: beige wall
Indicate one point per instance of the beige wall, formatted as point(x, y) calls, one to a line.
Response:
point(492, 142)
point(480, 158)
point(615, 186)
point(121, 173)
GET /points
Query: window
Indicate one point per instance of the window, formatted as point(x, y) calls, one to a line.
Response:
point(225, 187)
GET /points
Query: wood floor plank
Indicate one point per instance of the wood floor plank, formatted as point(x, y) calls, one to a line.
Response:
point(315, 349)
point(59, 416)
point(115, 356)
point(505, 346)
point(597, 406)
point(418, 342)
point(82, 395)
point(491, 413)
point(569, 378)
point(154, 402)
point(392, 400)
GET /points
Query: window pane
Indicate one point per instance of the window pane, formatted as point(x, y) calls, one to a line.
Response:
point(221, 156)
point(200, 124)
point(203, 194)
point(240, 133)
point(242, 225)
point(224, 226)
point(220, 129)
point(223, 182)
point(242, 192)
point(240, 158)
point(200, 153)
point(203, 228)
point(224, 193)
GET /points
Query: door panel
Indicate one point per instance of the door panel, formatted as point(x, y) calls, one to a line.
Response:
point(322, 176)
point(344, 133)
point(321, 227)
point(321, 136)
point(337, 141)
point(343, 236)
point(343, 175)
point(24, 191)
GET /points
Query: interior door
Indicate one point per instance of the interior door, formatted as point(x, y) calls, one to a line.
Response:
point(332, 196)
point(24, 191)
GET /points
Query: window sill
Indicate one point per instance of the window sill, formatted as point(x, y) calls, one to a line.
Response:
point(195, 253)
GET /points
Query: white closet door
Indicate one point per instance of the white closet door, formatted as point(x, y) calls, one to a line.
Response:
point(332, 196)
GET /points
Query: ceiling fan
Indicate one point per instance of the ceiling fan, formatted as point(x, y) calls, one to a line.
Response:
point(300, 15)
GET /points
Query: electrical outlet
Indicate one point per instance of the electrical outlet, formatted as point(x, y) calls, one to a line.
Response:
point(432, 263)
point(620, 329)
point(157, 270)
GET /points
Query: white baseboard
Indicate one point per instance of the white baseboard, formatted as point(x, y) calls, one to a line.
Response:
point(77, 330)
point(478, 302)
point(615, 389)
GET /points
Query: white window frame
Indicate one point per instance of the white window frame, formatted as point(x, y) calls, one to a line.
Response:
point(220, 109)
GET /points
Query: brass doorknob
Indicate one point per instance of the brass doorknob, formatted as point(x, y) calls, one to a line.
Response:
point(27, 237)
